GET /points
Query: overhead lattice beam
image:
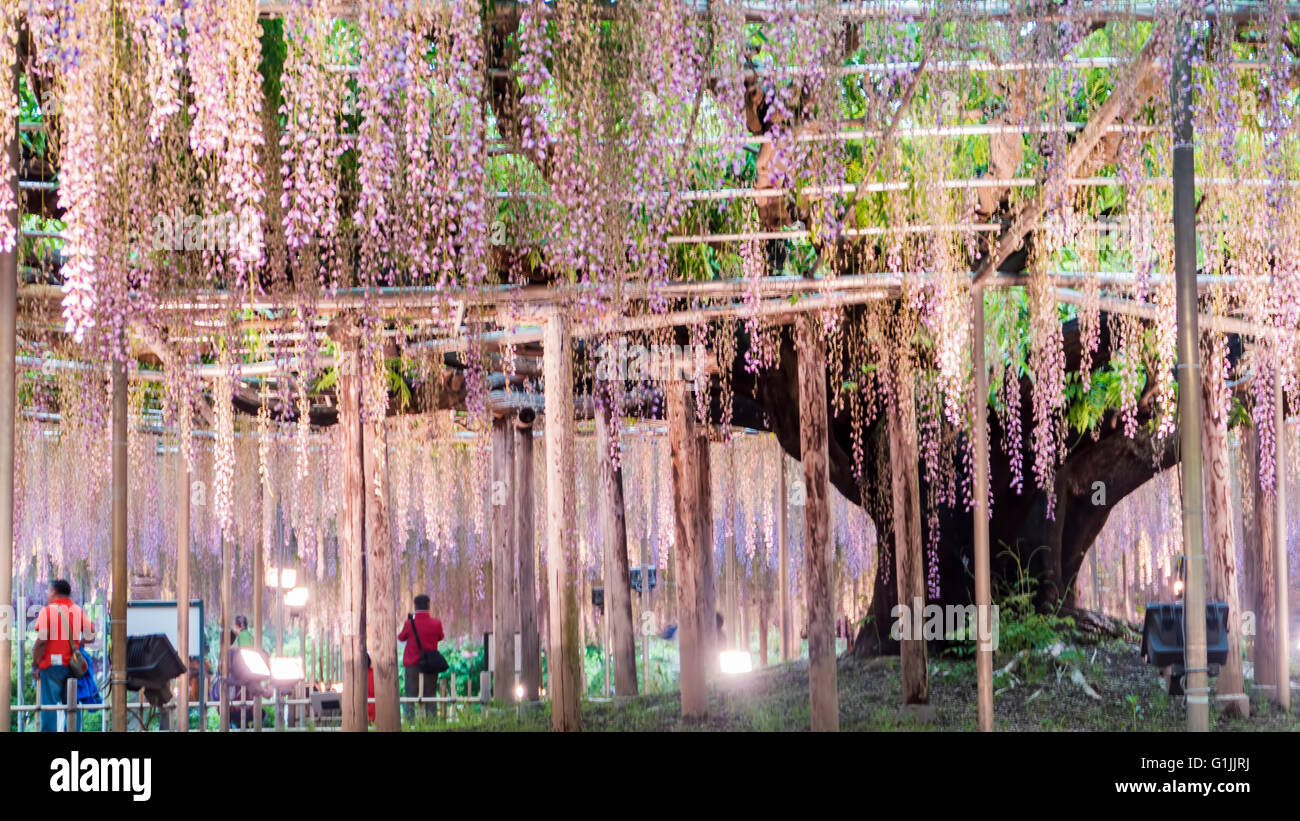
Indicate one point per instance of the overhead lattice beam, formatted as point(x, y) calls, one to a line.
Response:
point(1119, 100)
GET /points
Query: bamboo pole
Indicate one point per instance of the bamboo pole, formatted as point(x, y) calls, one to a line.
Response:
point(223, 665)
point(505, 607)
point(117, 611)
point(565, 661)
point(1189, 387)
point(983, 584)
point(1281, 637)
point(690, 595)
point(8, 403)
point(814, 449)
point(183, 590)
point(530, 669)
point(259, 591)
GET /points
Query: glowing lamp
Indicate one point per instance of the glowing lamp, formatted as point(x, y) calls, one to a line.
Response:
point(1178, 587)
point(297, 597)
point(286, 669)
point(519, 692)
point(282, 578)
point(249, 667)
point(735, 661)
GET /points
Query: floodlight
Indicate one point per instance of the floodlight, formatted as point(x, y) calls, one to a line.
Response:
point(286, 669)
point(282, 578)
point(297, 597)
point(249, 665)
point(1178, 587)
point(735, 661)
point(519, 692)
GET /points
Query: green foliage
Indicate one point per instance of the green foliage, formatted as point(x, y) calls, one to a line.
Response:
point(1021, 627)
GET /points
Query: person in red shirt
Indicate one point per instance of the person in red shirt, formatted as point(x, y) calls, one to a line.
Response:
point(370, 690)
point(61, 628)
point(429, 631)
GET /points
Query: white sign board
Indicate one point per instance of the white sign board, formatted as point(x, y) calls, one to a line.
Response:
point(144, 618)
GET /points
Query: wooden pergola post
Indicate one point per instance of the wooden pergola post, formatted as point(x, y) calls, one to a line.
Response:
point(1282, 630)
point(690, 595)
point(380, 582)
point(983, 584)
point(565, 663)
point(1222, 550)
point(788, 652)
point(351, 535)
point(618, 582)
point(530, 667)
point(708, 572)
point(117, 610)
point(814, 448)
point(8, 403)
point(183, 586)
point(505, 608)
point(223, 665)
point(909, 566)
point(259, 590)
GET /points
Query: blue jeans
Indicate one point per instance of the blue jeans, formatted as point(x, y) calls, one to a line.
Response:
point(54, 690)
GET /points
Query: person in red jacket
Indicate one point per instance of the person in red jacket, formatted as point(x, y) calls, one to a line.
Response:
point(429, 632)
point(370, 690)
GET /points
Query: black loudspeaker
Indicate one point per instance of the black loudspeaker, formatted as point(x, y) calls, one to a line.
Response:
point(598, 599)
point(635, 578)
point(1162, 634)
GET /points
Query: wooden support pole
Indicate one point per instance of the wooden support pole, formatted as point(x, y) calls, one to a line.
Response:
point(565, 661)
point(8, 405)
point(259, 589)
point(690, 596)
point(618, 582)
point(1282, 631)
point(117, 610)
point(788, 651)
point(344, 332)
point(814, 447)
point(1221, 548)
point(909, 566)
point(1189, 384)
point(983, 585)
point(708, 574)
point(223, 663)
point(530, 666)
point(505, 607)
point(183, 587)
point(381, 592)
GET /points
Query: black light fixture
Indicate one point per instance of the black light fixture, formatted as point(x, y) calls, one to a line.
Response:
point(151, 664)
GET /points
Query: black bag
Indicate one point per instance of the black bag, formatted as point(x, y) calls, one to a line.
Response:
point(431, 661)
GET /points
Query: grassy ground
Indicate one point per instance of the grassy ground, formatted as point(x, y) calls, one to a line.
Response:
point(1037, 693)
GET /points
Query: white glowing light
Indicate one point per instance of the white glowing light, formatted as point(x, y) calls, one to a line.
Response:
point(735, 661)
point(297, 597)
point(286, 668)
point(1178, 587)
point(519, 692)
point(283, 579)
point(253, 662)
